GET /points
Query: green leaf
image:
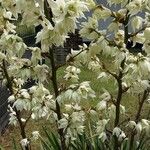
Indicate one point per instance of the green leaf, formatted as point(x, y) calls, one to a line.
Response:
point(52, 141)
point(14, 144)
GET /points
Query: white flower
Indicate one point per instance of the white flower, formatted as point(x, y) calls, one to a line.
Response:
point(139, 128)
point(11, 98)
point(91, 4)
point(113, 27)
point(32, 89)
point(145, 122)
point(76, 107)
point(33, 116)
point(10, 27)
point(19, 104)
point(102, 75)
point(85, 90)
point(124, 85)
point(144, 67)
point(13, 119)
point(139, 38)
point(88, 29)
point(131, 124)
point(23, 120)
point(101, 124)
point(146, 47)
point(112, 111)
point(68, 107)
point(103, 136)
point(102, 12)
point(147, 33)
point(101, 105)
point(25, 94)
point(117, 131)
point(93, 113)
point(58, 7)
point(131, 58)
point(63, 123)
point(78, 117)
point(80, 129)
point(136, 23)
point(105, 96)
point(72, 73)
point(75, 8)
point(146, 125)
point(7, 15)
point(134, 6)
point(145, 83)
point(24, 143)
point(94, 65)
point(35, 135)
point(122, 136)
point(122, 109)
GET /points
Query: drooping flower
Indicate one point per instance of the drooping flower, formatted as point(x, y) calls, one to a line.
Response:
point(24, 143)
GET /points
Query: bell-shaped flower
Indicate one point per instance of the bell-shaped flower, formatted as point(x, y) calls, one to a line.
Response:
point(75, 8)
point(102, 12)
point(117, 131)
point(103, 136)
point(36, 55)
point(112, 111)
point(77, 117)
point(11, 98)
point(131, 124)
point(134, 6)
point(122, 109)
point(136, 23)
point(68, 107)
point(13, 119)
point(139, 128)
point(146, 125)
point(89, 28)
point(147, 33)
point(102, 105)
point(23, 120)
point(105, 96)
point(146, 47)
point(101, 125)
point(114, 26)
point(24, 143)
point(122, 136)
point(85, 90)
point(35, 135)
point(72, 73)
point(58, 7)
point(94, 65)
point(63, 123)
point(144, 66)
point(7, 15)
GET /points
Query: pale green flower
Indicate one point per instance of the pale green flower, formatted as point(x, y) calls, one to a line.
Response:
point(136, 23)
